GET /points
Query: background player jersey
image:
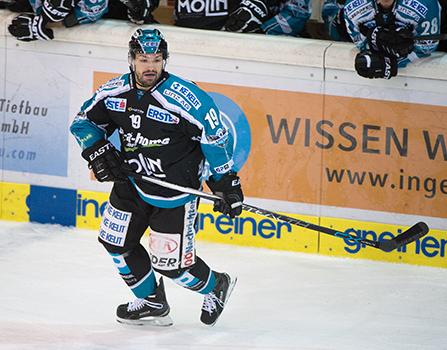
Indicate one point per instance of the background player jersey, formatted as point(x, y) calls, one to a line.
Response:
point(423, 16)
point(166, 132)
point(203, 14)
point(84, 11)
point(289, 17)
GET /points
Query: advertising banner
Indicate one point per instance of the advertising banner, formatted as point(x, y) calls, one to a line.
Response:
point(34, 129)
point(344, 151)
point(84, 209)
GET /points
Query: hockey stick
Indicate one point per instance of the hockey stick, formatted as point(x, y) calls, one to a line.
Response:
point(434, 37)
point(412, 234)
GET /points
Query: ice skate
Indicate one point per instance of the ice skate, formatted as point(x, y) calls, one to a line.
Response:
point(215, 301)
point(152, 310)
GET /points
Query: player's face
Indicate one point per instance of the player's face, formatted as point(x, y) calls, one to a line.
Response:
point(386, 4)
point(148, 68)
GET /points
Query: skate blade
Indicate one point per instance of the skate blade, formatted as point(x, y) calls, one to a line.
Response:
point(160, 321)
point(230, 290)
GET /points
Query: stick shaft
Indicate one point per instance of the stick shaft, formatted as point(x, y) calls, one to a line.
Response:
point(410, 235)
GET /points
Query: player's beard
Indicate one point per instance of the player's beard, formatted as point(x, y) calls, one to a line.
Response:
point(147, 79)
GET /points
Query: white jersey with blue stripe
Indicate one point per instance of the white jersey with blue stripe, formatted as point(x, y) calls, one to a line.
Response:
point(423, 16)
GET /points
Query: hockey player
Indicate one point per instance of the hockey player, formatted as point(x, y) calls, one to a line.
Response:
point(168, 127)
point(33, 26)
point(383, 31)
point(276, 17)
point(29, 27)
point(333, 16)
point(289, 17)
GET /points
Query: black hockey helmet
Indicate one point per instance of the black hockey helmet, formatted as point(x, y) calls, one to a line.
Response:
point(148, 41)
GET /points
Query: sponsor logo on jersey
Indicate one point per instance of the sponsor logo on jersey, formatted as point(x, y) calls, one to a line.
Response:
point(111, 84)
point(183, 90)
point(132, 142)
point(224, 168)
point(409, 13)
point(148, 166)
point(161, 115)
point(177, 98)
point(116, 104)
point(417, 6)
point(354, 5)
point(135, 110)
point(208, 7)
point(361, 12)
point(219, 138)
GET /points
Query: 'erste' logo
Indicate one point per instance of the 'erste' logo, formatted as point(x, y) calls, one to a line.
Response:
point(116, 104)
point(161, 115)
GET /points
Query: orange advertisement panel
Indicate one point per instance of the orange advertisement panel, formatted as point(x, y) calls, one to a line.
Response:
point(385, 155)
point(342, 151)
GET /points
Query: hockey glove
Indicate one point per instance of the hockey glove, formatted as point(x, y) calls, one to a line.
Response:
point(140, 11)
point(105, 161)
point(374, 65)
point(397, 43)
point(57, 10)
point(248, 17)
point(229, 189)
point(29, 27)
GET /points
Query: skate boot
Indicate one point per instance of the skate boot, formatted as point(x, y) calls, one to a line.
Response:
point(152, 310)
point(214, 302)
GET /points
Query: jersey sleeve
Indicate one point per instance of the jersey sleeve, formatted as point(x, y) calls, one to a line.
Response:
point(421, 15)
point(429, 18)
point(216, 142)
point(89, 11)
point(356, 12)
point(290, 20)
point(93, 122)
point(204, 120)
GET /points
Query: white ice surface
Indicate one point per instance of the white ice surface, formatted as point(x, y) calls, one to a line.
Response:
point(59, 290)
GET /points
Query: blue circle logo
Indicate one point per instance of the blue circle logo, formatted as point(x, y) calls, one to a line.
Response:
point(234, 119)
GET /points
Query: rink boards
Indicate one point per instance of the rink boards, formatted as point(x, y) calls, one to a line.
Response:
point(313, 139)
point(83, 209)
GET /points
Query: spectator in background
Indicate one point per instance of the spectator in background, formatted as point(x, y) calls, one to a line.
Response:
point(33, 26)
point(334, 20)
point(383, 31)
point(275, 17)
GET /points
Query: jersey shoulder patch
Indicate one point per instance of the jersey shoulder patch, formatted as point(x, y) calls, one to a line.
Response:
point(187, 94)
point(112, 88)
point(115, 83)
point(354, 5)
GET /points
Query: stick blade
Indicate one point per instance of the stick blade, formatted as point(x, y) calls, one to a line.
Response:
point(412, 234)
